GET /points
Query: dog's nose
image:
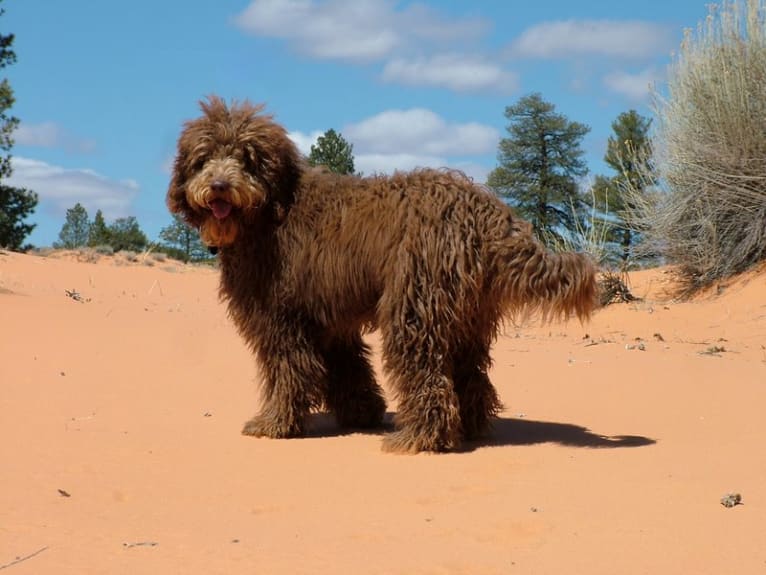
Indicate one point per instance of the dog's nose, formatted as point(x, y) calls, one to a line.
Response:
point(219, 186)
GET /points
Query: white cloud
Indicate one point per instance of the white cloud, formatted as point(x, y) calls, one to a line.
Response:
point(416, 138)
point(45, 135)
point(367, 31)
point(609, 38)
point(60, 188)
point(635, 87)
point(419, 132)
point(50, 135)
point(305, 141)
point(333, 30)
point(363, 30)
point(477, 172)
point(456, 72)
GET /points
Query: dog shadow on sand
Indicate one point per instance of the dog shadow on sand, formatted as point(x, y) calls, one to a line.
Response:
point(506, 431)
point(517, 431)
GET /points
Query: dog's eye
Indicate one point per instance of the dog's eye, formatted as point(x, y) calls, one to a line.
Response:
point(198, 164)
point(251, 160)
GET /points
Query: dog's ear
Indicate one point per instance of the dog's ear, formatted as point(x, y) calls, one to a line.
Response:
point(192, 144)
point(273, 159)
point(176, 196)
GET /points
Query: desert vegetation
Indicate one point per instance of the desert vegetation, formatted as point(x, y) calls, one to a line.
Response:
point(706, 210)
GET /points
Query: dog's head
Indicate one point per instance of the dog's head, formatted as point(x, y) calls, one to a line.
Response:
point(234, 167)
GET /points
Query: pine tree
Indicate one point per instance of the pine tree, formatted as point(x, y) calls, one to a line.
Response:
point(99, 232)
point(183, 241)
point(16, 204)
point(76, 229)
point(540, 163)
point(126, 234)
point(333, 152)
point(628, 153)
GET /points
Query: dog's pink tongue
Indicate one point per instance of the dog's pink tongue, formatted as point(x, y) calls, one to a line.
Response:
point(221, 208)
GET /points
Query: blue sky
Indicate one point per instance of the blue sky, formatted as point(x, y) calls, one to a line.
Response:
point(103, 88)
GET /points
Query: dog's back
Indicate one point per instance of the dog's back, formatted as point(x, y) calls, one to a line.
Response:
point(353, 238)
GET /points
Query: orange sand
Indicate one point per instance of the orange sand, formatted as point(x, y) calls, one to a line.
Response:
point(120, 449)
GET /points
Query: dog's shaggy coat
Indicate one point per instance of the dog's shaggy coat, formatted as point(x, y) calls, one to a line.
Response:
point(311, 260)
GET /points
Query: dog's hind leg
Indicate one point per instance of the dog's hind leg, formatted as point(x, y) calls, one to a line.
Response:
point(352, 393)
point(428, 415)
point(293, 381)
point(417, 359)
point(479, 401)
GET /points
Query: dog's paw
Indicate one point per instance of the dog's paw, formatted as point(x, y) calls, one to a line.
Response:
point(404, 441)
point(260, 426)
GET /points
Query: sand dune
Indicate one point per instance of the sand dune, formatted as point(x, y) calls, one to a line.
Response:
point(121, 404)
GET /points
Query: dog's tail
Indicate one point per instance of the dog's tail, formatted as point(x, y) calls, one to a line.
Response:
point(535, 280)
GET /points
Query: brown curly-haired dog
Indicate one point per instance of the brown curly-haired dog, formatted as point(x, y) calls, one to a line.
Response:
point(310, 260)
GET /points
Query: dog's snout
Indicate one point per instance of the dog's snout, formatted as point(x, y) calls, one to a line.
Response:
point(219, 186)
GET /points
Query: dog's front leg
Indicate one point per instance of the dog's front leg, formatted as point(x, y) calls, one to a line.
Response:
point(293, 382)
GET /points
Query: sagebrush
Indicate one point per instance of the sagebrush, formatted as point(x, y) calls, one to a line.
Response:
point(708, 212)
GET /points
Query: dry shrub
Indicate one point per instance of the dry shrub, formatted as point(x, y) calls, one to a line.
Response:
point(43, 252)
point(88, 255)
point(708, 214)
point(128, 256)
point(589, 235)
point(104, 249)
point(613, 288)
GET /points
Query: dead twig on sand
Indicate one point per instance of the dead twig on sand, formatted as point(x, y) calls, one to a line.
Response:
point(20, 559)
point(140, 544)
point(613, 289)
point(713, 350)
point(76, 296)
point(155, 284)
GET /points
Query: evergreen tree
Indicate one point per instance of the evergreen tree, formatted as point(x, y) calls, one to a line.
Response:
point(16, 204)
point(183, 241)
point(333, 152)
point(99, 232)
point(540, 163)
point(125, 234)
point(76, 229)
point(628, 153)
